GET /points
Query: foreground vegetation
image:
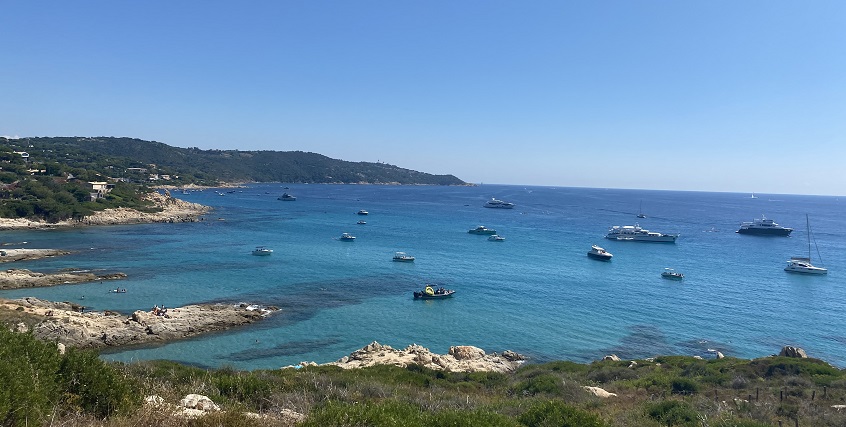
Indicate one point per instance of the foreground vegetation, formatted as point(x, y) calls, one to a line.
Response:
point(42, 387)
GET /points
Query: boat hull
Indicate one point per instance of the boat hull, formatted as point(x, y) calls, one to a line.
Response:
point(806, 270)
point(599, 257)
point(424, 295)
point(482, 232)
point(667, 238)
point(765, 232)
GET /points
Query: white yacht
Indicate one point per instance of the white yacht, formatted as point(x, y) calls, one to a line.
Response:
point(262, 251)
point(671, 274)
point(499, 204)
point(599, 253)
point(803, 264)
point(637, 234)
point(346, 237)
point(763, 227)
point(403, 257)
point(496, 238)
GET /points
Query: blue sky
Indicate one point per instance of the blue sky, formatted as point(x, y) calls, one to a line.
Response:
point(745, 96)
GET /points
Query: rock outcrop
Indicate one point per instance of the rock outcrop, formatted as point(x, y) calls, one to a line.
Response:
point(599, 392)
point(458, 359)
point(790, 351)
point(65, 324)
point(11, 255)
point(22, 278)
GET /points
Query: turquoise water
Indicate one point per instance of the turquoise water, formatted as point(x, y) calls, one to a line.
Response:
point(536, 293)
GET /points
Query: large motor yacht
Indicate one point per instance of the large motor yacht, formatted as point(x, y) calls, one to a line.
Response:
point(764, 227)
point(499, 204)
point(636, 234)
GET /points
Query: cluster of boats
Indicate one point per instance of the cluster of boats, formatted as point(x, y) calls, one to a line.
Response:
point(768, 227)
point(757, 227)
point(491, 233)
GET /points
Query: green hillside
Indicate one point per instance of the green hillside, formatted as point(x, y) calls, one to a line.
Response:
point(50, 178)
point(210, 167)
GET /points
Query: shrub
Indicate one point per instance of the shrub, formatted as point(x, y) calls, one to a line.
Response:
point(27, 379)
point(545, 383)
point(559, 414)
point(242, 386)
point(608, 374)
point(94, 385)
point(399, 414)
point(673, 413)
point(684, 386)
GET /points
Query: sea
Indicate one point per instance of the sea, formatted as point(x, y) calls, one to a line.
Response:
point(536, 292)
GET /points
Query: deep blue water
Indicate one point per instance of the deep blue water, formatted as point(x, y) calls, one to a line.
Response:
point(536, 293)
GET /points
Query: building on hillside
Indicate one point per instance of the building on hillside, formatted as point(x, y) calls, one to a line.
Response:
point(100, 189)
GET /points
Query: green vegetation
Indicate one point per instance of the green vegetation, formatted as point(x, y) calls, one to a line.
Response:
point(42, 387)
point(39, 188)
point(136, 160)
point(48, 178)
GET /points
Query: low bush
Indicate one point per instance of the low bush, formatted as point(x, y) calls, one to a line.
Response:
point(673, 413)
point(559, 414)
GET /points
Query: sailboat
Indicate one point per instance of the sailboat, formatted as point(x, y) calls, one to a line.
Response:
point(753, 196)
point(640, 211)
point(802, 264)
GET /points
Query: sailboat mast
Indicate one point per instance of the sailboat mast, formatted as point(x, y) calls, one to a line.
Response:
point(808, 226)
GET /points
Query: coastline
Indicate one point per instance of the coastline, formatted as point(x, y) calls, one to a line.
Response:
point(68, 324)
point(172, 210)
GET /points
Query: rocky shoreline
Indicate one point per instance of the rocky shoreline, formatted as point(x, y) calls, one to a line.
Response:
point(66, 324)
point(171, 210)
point(463, 358)
point(12, 255)
point(22, 278)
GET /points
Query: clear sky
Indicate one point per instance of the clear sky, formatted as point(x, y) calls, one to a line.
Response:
point(745, 96)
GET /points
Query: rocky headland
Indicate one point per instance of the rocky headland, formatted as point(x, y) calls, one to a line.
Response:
point(12, 255)
point(22, 278)
point(66, 324)
point(169, 209)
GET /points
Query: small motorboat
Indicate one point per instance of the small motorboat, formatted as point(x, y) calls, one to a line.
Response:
point(262, 251)
point(496, 238)
point(346, 237)
point(598, 253)
point(361, 222)
point(671, 274)
point(403, 257)
point(431, 293)
point(363, 212)
point(287, 197)
point(481, 230)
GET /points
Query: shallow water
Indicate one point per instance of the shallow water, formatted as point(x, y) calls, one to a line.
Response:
point(536, 293)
